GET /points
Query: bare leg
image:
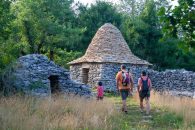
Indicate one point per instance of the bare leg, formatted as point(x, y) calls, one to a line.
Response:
point(147, 106)
point(141, 103)
point(124, 105)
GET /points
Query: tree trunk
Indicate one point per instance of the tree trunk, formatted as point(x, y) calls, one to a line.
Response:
point(51, 55)
point(29, 36)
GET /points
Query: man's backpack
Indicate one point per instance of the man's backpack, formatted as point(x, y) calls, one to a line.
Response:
point(125, 78)
point(145, 86)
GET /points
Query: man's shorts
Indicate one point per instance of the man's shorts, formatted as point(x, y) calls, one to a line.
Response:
point(144, 94)
point(124, 94)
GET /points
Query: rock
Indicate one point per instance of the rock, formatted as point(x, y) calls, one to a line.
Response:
point(36, 75)
point(106, 73)
point(176, 82)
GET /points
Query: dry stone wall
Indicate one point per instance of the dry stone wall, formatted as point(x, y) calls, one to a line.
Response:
point(106, 73)
point(76, 72)
point(31, 75)
point(177, 82)
point(109, 72)
point(94, 74)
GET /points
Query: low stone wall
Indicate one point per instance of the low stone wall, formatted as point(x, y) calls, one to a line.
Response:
point(109, 72)
point(177, 82)
point(31, 76)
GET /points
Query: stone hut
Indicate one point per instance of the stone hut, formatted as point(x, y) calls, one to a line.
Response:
point(35, 75)
point(103, 58)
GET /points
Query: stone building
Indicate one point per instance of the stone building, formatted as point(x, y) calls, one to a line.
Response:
point(36, 75)
point(103, 58)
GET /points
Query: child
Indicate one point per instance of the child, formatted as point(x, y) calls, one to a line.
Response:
point(100, 91)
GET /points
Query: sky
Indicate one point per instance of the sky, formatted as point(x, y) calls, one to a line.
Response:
point(86, 1)
point(115, 1)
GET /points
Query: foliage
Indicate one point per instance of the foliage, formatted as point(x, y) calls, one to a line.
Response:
point(7, 53)
point(179, 21)
point(154, 31)
point(171, 56)
point(142, 32)
point(6, 79)
point(43, 25)
point(131, 7)
point(63, 57)
point(4, 19)
point(94, 17)
point(146, 39)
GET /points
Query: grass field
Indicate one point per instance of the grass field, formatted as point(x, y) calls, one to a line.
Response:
point(60, 113)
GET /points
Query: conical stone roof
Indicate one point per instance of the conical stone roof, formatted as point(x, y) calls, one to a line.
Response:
point(109, 46)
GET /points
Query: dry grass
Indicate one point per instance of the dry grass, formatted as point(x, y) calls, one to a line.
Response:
point(76, 113)
point(182, 106)
point(19, 113)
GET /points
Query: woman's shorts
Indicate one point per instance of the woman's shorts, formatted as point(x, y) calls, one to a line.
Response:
point(124, 94)
point(144, 94)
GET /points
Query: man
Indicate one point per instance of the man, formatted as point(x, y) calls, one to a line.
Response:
point(124, 85)
point(144, 88)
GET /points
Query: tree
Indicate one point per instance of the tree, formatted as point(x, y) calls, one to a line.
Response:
point(145, 38)
point(179, 21)
point(5, 18)
point(45, 25)
point(94, 17)
point(143, 32)
point(131, 7)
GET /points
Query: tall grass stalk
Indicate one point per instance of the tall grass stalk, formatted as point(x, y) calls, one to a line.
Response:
point(182, 106)
point(19, 113)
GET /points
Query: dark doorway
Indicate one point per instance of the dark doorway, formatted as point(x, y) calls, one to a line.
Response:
point(54, 83)
point(85, 77)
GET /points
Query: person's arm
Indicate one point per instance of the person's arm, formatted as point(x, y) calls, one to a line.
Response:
point(117, 81)
point(131, 81)
point(98, 90)
point(139, 85)
point(150, 86)
point(117, 87)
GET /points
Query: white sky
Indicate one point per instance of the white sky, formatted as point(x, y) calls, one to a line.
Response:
point(115, 1)
point(86, 1)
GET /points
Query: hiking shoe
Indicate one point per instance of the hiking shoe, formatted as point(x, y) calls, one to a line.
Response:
point(126, 112)
point(123, 109)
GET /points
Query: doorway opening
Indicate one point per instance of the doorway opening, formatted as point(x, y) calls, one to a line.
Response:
point(85, 75)
point(54, 83)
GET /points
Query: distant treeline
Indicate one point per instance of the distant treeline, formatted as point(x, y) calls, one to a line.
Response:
point(62, 29)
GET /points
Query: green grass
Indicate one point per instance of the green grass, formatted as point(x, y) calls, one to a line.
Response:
point(159, 118)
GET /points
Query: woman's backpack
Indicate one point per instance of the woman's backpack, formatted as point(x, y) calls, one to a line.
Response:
point(145, 86)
